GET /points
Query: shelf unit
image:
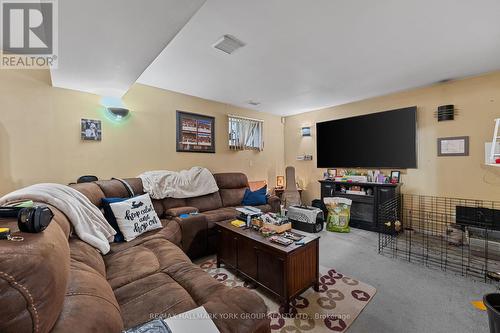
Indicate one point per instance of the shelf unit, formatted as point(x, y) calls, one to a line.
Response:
point(364, 209)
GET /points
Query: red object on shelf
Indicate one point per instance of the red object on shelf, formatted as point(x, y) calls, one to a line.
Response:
point(497, 161)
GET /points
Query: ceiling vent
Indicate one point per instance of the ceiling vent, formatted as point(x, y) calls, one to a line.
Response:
point(229, 44)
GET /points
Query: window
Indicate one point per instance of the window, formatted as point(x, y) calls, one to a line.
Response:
point(245, 133)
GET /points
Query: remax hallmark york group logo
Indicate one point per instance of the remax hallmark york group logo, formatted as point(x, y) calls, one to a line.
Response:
point(29, 34)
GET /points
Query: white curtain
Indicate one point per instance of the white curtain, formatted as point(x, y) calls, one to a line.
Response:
point(245, 134)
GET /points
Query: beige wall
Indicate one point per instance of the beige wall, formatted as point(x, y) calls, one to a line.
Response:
point(478, 103)
point(40, 140)
point(40, 134)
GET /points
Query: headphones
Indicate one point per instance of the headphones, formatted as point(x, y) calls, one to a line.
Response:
point(29, 219)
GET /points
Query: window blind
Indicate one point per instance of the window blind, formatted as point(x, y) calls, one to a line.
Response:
point(245, 133)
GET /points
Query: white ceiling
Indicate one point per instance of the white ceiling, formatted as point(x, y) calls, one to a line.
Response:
point(104, 46)
point(303, 55)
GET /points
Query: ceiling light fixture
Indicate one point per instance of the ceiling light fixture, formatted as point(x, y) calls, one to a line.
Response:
point(228, 44)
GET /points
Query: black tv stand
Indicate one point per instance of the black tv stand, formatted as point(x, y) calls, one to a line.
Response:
point(364, 209)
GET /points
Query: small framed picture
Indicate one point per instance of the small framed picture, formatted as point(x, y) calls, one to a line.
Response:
point(453, 146)
point(90, 130)
point(395, 176)
point(280, 181)
point(332, 173)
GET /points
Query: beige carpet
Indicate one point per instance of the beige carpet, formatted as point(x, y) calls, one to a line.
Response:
point(340, 300)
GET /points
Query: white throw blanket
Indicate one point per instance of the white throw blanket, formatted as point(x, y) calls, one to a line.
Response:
point(87, 220)
point(190, 183)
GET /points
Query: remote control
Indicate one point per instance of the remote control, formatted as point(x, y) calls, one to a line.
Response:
point(300, 242)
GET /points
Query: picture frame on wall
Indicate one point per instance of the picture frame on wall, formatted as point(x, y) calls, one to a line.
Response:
point(90, 130)
point(195, 133)
point(453, 146)
point(280, 181)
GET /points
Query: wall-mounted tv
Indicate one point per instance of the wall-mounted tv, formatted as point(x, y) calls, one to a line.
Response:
point(377, 140)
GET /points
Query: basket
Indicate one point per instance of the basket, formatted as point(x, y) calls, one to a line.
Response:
point(277, 228)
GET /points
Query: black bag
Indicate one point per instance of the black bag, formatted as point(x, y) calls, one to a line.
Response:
point(318, 203)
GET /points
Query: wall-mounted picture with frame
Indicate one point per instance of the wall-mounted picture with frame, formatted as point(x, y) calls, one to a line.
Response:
point(195, 133)
point(453, 146)
point(90, 130)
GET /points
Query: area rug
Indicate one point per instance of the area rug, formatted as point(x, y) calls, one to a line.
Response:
point(334, 308)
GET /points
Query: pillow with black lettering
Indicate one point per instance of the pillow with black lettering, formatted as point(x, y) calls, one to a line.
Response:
point(135, 216)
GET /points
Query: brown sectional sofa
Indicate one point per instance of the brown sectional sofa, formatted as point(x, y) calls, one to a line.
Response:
point(52, 281)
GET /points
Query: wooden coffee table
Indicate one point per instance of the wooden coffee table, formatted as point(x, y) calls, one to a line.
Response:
point(284, 271)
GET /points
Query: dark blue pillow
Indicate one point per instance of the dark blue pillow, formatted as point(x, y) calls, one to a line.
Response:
point(110, 217)
point(255, 198)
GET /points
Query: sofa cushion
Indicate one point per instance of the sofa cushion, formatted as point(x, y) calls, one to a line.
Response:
point(232, 187)
point(231, 180)
point(92, 191)
point(140, 300)
point(205, 202)
point(173, 202)
point(89, 304)
point(87, 254)
point(135, 216)
point(148, 257)
point(110, 216)
point(113, 188)
point(221, 301)
point(221, 214)
point(171, 231)
point(147, 281)
point(232, 197)
point(255, 198)
point(135, 184)
point(159, 209)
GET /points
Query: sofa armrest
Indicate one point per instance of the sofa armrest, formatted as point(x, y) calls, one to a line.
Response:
point(178, 211)
point(194, 234)
point(275, 203)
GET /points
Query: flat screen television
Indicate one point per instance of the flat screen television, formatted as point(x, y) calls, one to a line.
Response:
point(377, 140)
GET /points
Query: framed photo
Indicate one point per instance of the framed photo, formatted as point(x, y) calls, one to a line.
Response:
point(332, 173)
point(90, 130)
point(195, 133)
point(453, 146)
point(395, 177)
point(280, 181)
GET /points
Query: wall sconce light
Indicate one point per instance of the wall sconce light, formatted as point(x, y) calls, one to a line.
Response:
point(305, 131)
point(114, 108)
point(119, 113)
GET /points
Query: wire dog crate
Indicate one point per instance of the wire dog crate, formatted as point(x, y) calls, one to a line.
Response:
point(458, 235)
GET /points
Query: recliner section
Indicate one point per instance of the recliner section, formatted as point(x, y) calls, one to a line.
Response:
point(197, 235)
point(54, 282)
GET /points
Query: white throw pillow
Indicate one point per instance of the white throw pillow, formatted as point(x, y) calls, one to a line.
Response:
point(135, 216)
